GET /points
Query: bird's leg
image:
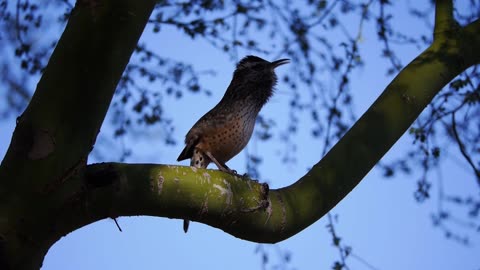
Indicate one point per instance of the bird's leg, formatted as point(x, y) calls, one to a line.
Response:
point(222, 166)
point(228, 170)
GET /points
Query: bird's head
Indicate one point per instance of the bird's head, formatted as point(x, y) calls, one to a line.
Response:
point(255, 77)
point(258, 68)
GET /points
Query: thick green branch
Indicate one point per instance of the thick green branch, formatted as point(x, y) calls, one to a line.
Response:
point(208, 196)
point(381, 126)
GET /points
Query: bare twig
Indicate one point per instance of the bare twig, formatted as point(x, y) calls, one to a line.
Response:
point(461, 146)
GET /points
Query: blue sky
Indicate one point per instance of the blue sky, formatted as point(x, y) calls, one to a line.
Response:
point(380, 218)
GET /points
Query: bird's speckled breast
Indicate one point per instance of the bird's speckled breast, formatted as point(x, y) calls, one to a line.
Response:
point(230, 138)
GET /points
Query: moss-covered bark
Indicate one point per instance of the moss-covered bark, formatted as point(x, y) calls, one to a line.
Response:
point(47, 190)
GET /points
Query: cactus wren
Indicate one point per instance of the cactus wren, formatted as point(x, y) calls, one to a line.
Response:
point(226, 129)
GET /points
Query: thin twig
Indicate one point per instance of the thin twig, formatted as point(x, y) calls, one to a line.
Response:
point(360, 259)
point(461, 146)
point(336, 241)
point(118, 225)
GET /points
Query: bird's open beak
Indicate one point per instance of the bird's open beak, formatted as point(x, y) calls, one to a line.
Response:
point(280, 62)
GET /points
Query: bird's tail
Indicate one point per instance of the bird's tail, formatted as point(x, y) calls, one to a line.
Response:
point(198, 160)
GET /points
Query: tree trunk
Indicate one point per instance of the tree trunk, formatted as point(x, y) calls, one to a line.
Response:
point(58, 129)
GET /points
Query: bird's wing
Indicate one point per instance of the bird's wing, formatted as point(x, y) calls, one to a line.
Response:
point(207, 124)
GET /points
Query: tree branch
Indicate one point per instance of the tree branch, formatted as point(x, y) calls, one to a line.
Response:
point(444, 21)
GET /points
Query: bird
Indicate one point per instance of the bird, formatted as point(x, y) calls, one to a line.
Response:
point(225, 130)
